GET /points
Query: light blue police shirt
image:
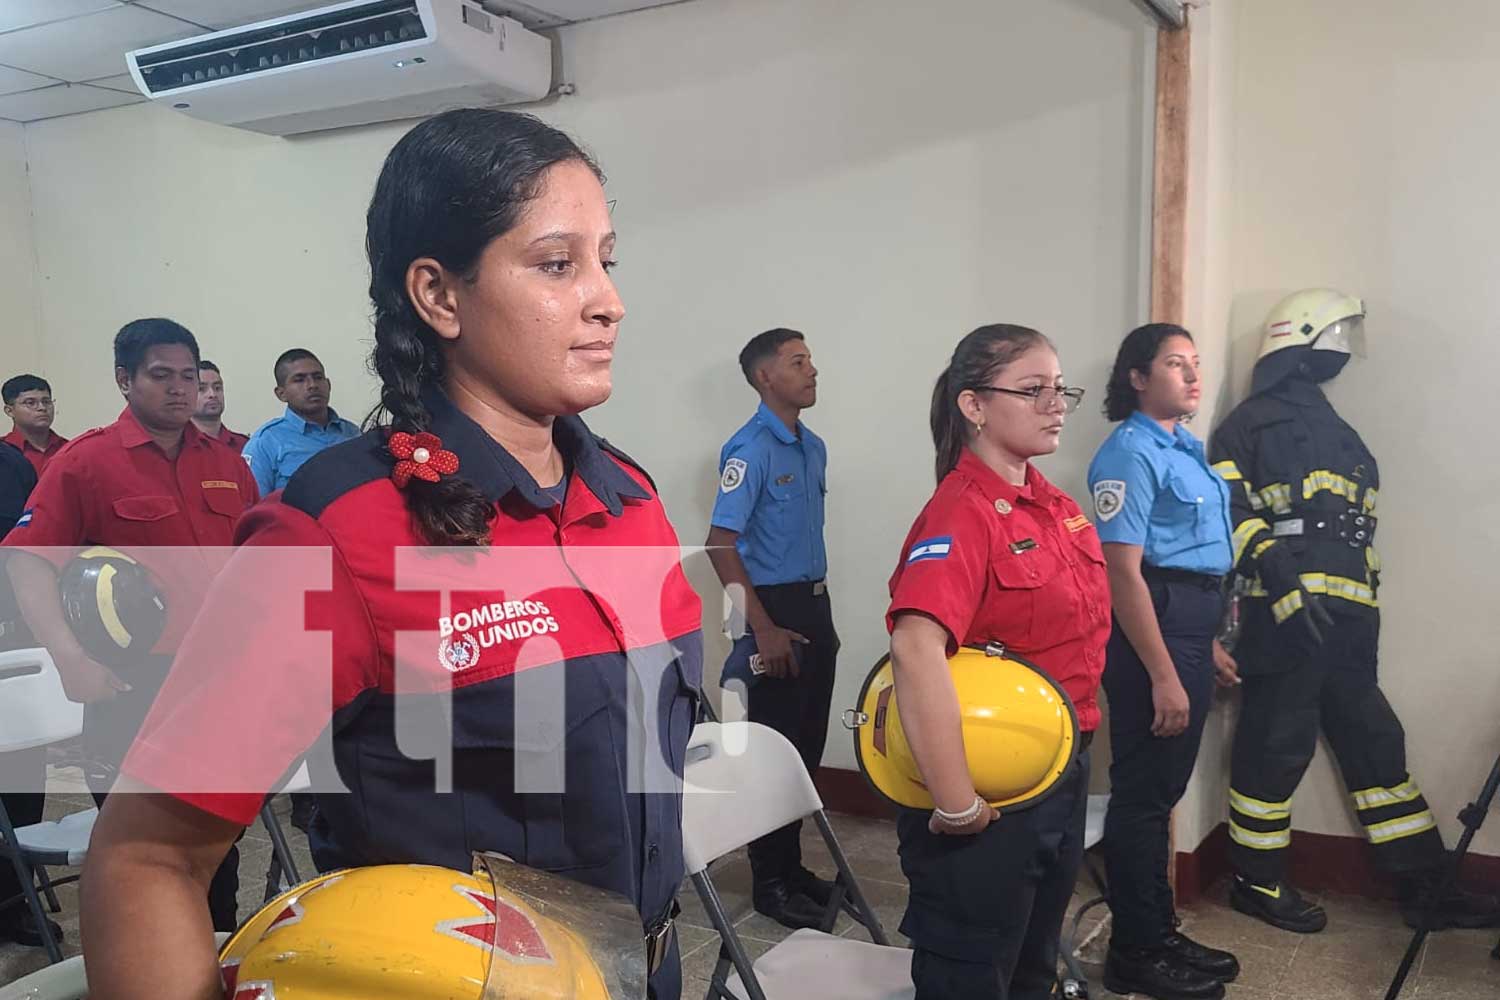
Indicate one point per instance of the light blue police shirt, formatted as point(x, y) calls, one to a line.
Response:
point(771, 488)
point(280, 446)
point(1157, 490)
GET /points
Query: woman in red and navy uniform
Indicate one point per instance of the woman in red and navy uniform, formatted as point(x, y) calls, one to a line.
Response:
point(998, 554)
point(552, 644)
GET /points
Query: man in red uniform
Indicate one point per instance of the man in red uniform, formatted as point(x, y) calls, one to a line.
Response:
point(151, 485)
point(28, 403)
point(209, 416)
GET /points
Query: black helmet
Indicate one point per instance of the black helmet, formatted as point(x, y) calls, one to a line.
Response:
point(112, 604)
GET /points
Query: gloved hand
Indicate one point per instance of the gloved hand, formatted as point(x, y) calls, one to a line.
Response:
point(1278, 574)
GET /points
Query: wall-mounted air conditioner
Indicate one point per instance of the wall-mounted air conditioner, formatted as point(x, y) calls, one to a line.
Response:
point(348, 64)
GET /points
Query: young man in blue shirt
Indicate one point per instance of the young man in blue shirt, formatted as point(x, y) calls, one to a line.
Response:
point(309, 425)
point(766, 542)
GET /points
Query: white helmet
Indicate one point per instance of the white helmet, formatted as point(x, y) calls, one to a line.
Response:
point(1321, 318)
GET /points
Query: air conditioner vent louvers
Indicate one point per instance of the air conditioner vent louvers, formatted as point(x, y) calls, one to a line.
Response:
point(372, 26)
point(354, 62)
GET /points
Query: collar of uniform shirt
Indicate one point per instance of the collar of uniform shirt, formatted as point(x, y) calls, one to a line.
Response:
point(783, 433)
point(1180, 435)
point(133, 435)
point(335, 422)
point(483, 462)
point(1037, 489)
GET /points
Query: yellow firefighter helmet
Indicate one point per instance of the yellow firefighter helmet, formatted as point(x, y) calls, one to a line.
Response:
point(399, 931)
point(1019, 726)
point(1321, 318)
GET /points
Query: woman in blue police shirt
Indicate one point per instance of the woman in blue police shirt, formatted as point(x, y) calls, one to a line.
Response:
point(1163, 516)
point(490, 246)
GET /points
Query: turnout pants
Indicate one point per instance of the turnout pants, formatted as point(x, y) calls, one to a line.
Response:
point(796, 707)
point(1291, 688)
point(985, 912)
point(1148, 774)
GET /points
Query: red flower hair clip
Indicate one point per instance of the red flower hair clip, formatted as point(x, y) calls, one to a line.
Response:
point(419, 455)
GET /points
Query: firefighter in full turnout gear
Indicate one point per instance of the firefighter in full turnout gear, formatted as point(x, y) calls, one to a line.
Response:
point(1303, 504)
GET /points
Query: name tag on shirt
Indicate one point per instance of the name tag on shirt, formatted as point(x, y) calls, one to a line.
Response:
point(1024, 545)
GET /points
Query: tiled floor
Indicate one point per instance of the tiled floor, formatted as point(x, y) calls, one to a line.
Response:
point(1353, 959)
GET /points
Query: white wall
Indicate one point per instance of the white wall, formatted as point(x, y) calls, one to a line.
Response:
point(19, 346)
point(881, 181)
point(1364, 159)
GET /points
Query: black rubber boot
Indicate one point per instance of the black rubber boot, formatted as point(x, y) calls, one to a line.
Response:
point(1456, 907)
point(1279, 905)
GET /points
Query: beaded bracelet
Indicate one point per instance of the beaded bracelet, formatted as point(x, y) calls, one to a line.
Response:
point(964, 818)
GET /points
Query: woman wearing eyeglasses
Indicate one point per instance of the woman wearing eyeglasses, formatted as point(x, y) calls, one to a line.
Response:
point(1163, 515)
point(1018, 563)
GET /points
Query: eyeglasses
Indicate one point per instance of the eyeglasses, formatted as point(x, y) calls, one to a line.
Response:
point(34, 404)
point(1044, 397)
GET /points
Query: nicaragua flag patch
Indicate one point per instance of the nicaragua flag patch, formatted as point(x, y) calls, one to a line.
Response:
point(24, 519)
point(930, 548)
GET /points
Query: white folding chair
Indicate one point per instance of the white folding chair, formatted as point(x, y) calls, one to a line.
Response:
point(35, 712)
point(1076, 984)
point(282, 873)
point(742, 781)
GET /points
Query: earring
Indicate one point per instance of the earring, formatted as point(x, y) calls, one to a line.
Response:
point(978, 426)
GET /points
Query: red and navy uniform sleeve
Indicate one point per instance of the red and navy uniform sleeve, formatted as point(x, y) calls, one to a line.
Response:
point(944, 567)
point(283, 640)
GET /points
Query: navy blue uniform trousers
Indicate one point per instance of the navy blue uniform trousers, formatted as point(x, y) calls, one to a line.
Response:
point(985, 911)
point(1148, 774)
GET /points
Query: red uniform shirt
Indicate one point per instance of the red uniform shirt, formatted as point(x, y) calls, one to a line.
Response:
point(115, 486)
point(990, 561)
point(38, 457)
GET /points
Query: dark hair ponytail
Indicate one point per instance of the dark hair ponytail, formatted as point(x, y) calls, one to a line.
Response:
point(977, 359)
point(448, 188)
point(1136, 354)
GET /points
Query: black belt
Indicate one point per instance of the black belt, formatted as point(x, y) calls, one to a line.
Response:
point(659, 939)
point(812, 588)
point(1169, 574)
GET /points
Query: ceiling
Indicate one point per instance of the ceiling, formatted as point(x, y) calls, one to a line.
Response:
point(66, 57)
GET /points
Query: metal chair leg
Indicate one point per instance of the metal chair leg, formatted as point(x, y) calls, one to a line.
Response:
point(282, 862)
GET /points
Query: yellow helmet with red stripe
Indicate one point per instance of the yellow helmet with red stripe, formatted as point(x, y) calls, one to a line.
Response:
point(399, 931)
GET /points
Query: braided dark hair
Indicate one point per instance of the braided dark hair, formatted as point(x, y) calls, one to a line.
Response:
point(977, 359)
point(448, 188)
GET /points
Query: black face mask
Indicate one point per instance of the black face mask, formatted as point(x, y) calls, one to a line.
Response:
point(1321, 366)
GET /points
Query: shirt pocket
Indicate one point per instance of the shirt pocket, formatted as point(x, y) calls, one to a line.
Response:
point(140, 510)
point(1192, 507)
point(142, 520)
point(1015, 612)
point(223, 500)
point(788, 504)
